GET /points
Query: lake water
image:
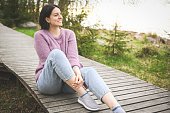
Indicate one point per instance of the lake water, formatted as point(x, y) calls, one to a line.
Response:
point(141, 16)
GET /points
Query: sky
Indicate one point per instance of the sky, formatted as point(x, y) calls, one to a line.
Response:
point(148, 16)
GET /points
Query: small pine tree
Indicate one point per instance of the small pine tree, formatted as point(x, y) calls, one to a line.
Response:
point(115, 44)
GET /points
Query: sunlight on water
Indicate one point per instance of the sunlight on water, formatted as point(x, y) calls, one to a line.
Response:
point(143, 16)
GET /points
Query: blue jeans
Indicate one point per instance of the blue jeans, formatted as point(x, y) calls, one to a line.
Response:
point(57, 70)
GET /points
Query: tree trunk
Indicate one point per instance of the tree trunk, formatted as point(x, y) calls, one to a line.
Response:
point(37, 10)
point(113, 50)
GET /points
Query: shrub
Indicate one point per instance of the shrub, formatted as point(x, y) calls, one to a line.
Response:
point(153, 35)
point(144, 38)
point(147, 51)
point(86, 42)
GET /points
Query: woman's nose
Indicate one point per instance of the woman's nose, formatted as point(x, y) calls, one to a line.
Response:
point(60, 16)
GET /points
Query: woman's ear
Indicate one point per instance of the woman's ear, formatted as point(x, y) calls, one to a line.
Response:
point(47, 19)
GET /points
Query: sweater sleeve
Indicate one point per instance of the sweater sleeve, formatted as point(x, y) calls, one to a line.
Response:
point(41, 47)
point(72, 53)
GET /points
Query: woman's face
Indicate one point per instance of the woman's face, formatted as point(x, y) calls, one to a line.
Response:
point(55, 18)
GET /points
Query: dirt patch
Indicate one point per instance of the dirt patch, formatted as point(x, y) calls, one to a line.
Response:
point(14, 98)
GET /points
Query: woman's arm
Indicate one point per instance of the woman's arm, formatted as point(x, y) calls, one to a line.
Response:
point(78, 80)
point(72, 51)
point(41, 46)
point(72, 55)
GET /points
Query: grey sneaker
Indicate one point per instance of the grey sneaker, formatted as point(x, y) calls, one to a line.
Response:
point(88, 103)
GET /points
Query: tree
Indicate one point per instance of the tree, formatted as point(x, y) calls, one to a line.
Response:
point(37, 10)
point(9, 12)
point(15, 12)
point(115, 43)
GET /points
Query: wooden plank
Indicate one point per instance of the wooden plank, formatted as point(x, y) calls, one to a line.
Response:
point(164, 111)
point(130, 91)
point(64, 108)
point(18, 57)
point(139, 94)
point(153, 109)
point(78, 111)
point(140, 85)
point(144, 98)
point(14, 68)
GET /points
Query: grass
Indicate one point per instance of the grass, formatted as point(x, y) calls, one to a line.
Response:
point(14, 98)
point(29, 32)
point(152, 67)
point(144, 60)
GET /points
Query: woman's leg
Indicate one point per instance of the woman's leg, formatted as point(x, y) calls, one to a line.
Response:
point(96, 84)
point(110, 101)
point(56, 70)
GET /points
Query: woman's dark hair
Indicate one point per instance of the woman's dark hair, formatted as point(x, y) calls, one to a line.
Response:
point(46, 12)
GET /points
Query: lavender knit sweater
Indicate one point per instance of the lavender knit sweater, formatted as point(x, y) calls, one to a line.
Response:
point(45, 42)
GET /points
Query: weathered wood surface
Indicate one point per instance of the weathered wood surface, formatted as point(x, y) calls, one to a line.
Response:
point(136, 96)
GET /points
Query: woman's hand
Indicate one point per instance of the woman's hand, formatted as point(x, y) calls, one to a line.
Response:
point(78, 79)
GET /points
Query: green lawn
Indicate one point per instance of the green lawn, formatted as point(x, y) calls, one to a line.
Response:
point(153, 68)
point(29, 32)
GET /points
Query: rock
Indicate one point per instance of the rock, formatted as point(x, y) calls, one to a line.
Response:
point(100, 42)
point(166, 41)
point(138, 36)
point(150, 39)
point(29, 25)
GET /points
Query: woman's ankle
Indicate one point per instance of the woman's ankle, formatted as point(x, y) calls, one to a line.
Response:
point(118, 109)
point(110, 101)
point(81, 91)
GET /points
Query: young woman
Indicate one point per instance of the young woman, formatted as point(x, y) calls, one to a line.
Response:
point(59, 70)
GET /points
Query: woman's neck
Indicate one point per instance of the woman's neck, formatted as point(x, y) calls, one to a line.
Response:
point(55, 31)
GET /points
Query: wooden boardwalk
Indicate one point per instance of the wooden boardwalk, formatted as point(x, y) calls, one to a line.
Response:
point(136, 96)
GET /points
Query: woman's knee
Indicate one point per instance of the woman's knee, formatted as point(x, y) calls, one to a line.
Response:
point(48, 90)
point(91, 70)
point(91, 73)
point(56, 53)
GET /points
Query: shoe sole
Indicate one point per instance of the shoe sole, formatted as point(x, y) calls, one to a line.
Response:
point(91, 109)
